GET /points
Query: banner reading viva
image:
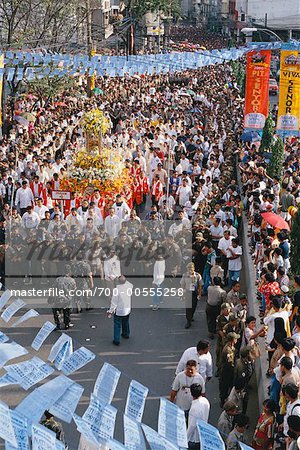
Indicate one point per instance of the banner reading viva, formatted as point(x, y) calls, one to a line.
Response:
point(257, 89)
point(289, 93)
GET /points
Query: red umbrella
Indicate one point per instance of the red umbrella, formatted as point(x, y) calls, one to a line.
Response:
point(275, 220)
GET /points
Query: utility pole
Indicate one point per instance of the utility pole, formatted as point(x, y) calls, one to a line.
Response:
point(89, 42)
point(266, 20)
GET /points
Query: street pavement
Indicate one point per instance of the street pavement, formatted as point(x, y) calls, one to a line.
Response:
point(150, 356)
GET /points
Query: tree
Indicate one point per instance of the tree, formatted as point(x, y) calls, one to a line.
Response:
point(48, 88)
point(295, 244)
point(168, 8)
point(275, 168)
point(267, 136)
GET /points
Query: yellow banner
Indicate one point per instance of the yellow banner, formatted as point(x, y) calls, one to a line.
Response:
point(1, 86)
point(289, 93)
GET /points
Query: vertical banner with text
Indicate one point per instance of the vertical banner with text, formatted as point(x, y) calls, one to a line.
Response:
point(289, 92)
point(257, 89)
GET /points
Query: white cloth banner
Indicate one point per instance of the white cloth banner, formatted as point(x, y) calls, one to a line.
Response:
point(12, 309)
point(42, 335)
point(66, 405)
point(28, 315)
point(136, 399)
point(171, 423)
point(20, 426)
point(133, 435)
point(10, 351)
point(7, 431)
point(106, 383)
point(30, 372)
point(78, 359)
point(210, 438)
point(7, 380)
point(156, 441)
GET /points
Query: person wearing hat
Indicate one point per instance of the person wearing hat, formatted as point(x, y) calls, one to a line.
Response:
point(227, 366)
point(222, 320)
point(235, 325)
point(226, 419)
point(191, 283)
point(24, 198)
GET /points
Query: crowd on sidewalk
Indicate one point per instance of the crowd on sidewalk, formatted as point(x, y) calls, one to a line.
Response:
point(179, 136)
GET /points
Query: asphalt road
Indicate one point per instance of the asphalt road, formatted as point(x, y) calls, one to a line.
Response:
point(150, 356)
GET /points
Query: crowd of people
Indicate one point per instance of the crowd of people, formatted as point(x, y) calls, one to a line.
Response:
point(181, 222)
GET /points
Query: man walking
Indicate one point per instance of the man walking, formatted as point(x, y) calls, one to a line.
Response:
point(199, 410)
point(66, 286)
point(120, 307)
point(215, 297)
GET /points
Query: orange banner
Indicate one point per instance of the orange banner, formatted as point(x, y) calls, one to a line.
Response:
point(257, 89)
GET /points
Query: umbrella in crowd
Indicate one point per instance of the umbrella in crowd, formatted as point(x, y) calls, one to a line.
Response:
point(250, 136)
point(276, 221)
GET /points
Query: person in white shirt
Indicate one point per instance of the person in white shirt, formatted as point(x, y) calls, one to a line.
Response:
point(199, 411)
point(179, 224)
point(183, 194)
point(291, 393)
point(30, 219)
point(74, 219)
point(234, 253)
point(112, 224)
point(112, 266)
point(120, 307)
point(184, 162)
point(97, 219)
point(270, 319)
point(180, 393)
point(40, 209)
point(202, 356)
point(122, 210)
point(158, 277)
point(24, 198)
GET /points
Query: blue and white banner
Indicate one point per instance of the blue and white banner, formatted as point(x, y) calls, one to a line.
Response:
point(171, 423)
point(133, 435)
point(64, 408)
point(42, 335)
point(136, 399)
point(106, 383)
point(210, 438)
point(12, 309)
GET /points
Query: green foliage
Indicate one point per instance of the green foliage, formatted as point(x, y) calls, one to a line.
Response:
point(50, 87)
point(295, 244)
point(169, 8)
point(267, 136)
point(275, 168)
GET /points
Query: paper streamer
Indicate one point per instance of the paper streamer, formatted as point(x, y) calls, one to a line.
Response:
point(156, 441)
point(133, 435)
point(64, 353)
point(10, 351)
point(78, 359)
point(30, 372)
point(43, 397)
point(66, 405)
point(4, 298)
point(100, 418)
point(171, 423)
point(28, 315)
point(43, 438)
point(20, 428)
point(210, 438)
point(57, 346)
point(7, 380)
point(136, 399)
point(106, 383)
point(3, 338)
point(42, 335)
point(12, 309)
point(7, 431)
